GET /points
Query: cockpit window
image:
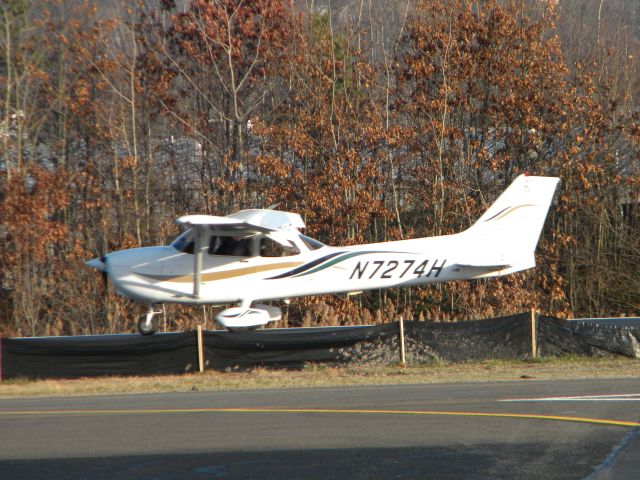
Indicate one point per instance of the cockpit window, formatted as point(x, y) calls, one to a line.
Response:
point(231, 246)
point(311, 243)
point(185, 242)
point(271, 248)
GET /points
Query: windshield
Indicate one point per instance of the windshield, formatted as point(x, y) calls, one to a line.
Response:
point(185, 242)
point(311, 243)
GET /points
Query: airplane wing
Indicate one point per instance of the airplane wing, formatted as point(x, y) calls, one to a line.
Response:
point(272, 219)
point(203, 225)
point(245, 223)
point(222, 225)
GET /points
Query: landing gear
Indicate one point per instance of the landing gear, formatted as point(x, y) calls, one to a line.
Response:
point(146, 323)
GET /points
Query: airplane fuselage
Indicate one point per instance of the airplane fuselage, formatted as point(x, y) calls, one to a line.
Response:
point(259, 255)
point(165, 275)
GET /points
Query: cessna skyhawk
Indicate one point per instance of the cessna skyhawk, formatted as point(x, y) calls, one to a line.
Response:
point(254, 256)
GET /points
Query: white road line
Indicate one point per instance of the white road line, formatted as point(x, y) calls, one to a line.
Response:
point(627, 397)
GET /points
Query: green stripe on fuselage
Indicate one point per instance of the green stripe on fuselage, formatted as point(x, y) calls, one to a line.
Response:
point(340, 259)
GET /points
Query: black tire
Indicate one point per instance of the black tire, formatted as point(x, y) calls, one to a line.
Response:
point(144, 328)
point(238, 329)
point(244, 329)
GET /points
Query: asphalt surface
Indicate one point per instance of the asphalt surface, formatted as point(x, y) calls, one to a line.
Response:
point(525, 430)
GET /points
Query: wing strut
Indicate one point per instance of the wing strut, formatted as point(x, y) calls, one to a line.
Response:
point(197, 259)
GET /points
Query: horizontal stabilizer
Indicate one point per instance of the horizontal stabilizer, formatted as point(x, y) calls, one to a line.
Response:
point(497, 262)
point(488, 266)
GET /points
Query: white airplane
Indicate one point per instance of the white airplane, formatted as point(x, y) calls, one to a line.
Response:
point(255, 256)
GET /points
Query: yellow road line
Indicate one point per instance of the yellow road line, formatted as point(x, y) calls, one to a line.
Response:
point(597, 421)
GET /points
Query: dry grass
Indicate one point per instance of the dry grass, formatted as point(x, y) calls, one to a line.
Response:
point(325, 376)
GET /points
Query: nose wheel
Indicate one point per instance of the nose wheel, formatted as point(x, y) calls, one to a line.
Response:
point(146, 323)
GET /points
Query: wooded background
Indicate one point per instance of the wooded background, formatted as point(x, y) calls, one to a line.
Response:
point(375, 120)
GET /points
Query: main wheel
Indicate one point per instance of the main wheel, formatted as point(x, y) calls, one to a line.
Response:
point(146, 327)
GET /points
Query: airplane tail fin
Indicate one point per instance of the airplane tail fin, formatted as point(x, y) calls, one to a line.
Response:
point(506, 235)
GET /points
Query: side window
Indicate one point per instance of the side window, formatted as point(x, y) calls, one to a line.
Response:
point(270, 248)
point(230, 246)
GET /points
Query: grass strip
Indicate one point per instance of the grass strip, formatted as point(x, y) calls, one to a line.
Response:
point(332, 376)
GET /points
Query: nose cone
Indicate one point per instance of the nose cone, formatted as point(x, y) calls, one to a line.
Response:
point(97, 263)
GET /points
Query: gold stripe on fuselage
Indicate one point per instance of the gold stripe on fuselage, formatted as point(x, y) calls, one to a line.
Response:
point(221, 275)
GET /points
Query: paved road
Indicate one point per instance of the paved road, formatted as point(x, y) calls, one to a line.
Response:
point(480, 431)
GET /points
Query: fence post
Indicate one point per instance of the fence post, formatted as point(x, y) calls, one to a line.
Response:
point(534, 333)
point(200, 350)
point(402, 355)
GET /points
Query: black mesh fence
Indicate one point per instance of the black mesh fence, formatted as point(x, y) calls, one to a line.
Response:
point(98, 355)
point(593, 337)
point(171, 353)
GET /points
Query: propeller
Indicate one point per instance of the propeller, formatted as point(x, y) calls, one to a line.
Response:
point(104, 273)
